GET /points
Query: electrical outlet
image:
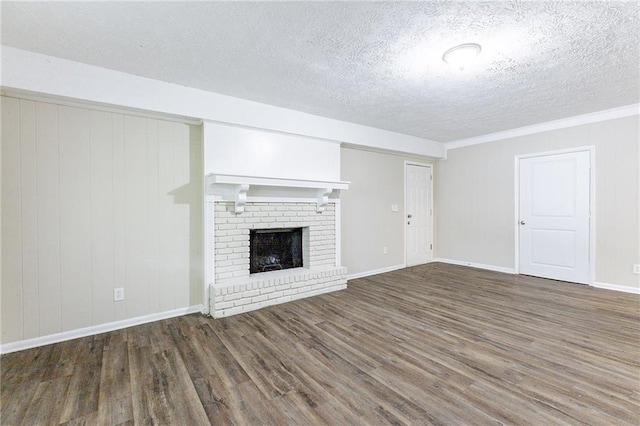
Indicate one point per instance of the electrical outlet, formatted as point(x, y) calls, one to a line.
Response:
point(118, 294)
point(385, 250)
point(394, 207)
point(636, 268)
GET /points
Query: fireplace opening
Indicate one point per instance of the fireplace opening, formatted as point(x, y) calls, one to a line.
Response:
point(275, 249)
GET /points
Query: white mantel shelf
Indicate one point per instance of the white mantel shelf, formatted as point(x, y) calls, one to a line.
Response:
point(239, 185)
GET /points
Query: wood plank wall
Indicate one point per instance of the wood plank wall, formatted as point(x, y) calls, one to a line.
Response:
point(91, 201)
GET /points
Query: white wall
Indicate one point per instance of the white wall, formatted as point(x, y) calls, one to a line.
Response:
point(476, 197)
point(368, 224)
point(92, 201)
point(33, 72)
point(234, 150)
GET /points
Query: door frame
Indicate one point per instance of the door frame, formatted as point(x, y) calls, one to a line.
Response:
point(592, 203)
point(404, 213)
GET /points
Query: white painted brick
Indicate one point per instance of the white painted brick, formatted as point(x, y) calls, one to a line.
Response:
point(283, 299)
point(240, 273)
point(225, 226)
point(232, 296)
point(283, 287)
point(267, 290)
point(260, 298)
point(276, 295)
point(267, 208)
point(222, 276)
point(223, 305)
point(251, 293)
point(242, 301)
point(234, 311)
point(224, 269)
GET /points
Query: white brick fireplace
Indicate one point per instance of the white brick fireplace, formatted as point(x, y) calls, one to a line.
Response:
point(235, 205)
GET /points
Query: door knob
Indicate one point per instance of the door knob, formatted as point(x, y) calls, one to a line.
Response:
point(522, 222)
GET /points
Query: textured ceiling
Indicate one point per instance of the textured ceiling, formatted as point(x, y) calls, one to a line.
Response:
point(372, 63)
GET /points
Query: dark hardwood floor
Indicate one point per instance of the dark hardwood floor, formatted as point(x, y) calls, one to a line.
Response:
point(435, 344)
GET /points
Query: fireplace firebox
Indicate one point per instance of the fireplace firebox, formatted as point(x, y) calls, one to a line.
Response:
point(275, 249)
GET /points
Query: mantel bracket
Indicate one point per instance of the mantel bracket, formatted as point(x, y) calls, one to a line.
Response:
point(323, 198)
point(240, 197)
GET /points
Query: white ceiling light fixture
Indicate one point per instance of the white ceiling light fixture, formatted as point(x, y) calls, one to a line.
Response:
point(462, 55)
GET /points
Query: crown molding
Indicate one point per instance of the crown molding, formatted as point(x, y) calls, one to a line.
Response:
point(578, 120)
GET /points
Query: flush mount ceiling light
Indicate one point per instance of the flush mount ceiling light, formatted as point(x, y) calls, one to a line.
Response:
point(462, 55)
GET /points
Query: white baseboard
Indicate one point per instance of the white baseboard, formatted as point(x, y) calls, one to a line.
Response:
point(617, 287)
point(477, 265)
point(95, 329)
point(375, 272)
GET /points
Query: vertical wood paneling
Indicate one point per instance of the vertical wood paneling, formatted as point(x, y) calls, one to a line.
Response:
point(165, 203)
point(153, 218)
point(181, 207)
point(196, 208)
point(136, 210)
point(11, 223)
point(29, 192)
point(93, 201)
point(50, 297)
point(102, 229)
point(119, 230)
point(75, 217)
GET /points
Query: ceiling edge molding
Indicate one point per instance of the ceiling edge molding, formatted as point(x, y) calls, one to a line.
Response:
point(389, 151)
point(578, 120)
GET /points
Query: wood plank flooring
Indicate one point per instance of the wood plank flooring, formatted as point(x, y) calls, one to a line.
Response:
point(434, 344)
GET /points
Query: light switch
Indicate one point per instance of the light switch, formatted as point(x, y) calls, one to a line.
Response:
point(394, 207)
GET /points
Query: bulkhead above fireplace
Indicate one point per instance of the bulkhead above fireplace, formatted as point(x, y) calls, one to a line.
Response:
point(275, 249)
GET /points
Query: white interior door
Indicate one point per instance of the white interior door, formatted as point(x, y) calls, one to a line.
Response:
point(554, 216)
point(418, 179)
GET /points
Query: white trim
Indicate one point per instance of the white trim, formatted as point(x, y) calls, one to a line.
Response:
point(52, 76)
point(209, 251)
point(338, 231)
point(96, 329)
point(476, 265)
point(97, 106)
point(578, 120)
point(592, 204)
point(404, 195)
point(213, 179)
point(387, 151)
point(375, 272)
point(617, 287)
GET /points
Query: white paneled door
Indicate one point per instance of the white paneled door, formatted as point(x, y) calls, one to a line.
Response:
point(554, 215)
point(418, 212)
